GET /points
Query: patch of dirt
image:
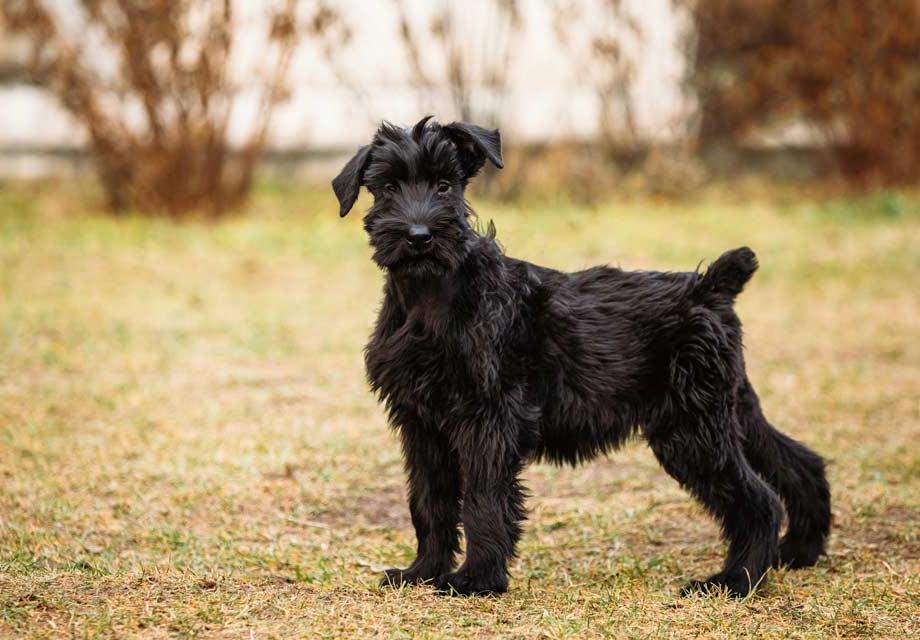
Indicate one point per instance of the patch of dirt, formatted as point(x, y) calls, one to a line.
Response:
point(384, 506)
point(891, 532)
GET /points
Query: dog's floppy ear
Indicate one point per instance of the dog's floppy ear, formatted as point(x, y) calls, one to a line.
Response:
point(347, 184)
point(476, 144)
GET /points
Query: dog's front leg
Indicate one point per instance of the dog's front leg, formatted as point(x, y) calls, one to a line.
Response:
point(434, 504)
point(493, 509)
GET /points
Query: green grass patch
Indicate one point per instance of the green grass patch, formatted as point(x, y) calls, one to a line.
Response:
point(188, 447)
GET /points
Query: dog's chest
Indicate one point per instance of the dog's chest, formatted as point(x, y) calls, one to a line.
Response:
point(421, 372)
point(418, 365)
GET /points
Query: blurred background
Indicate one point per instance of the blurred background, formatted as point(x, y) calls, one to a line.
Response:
point(176, 106)
point(188, 447)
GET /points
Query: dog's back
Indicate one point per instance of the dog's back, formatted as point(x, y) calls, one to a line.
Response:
point(614, 346)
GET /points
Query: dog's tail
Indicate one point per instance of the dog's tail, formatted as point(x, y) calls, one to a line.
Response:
point(726, 277)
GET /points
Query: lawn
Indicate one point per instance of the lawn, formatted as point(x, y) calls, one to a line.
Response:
point(188, 446)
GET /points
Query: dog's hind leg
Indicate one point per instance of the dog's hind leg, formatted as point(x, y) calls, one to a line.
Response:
point(796, 473)
point(434, 504)
point(700, 454)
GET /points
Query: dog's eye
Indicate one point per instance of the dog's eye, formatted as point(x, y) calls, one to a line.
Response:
point(443, 187)
point(389, 186)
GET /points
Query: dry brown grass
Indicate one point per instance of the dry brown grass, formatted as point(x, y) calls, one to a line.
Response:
point(188, 447)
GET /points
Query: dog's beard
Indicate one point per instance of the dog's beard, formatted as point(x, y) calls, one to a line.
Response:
point(422, 267)
point(398, 259)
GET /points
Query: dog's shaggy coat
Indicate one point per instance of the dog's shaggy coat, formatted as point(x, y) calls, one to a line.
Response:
point(486, 363)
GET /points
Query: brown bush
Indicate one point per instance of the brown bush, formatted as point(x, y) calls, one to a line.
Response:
point(151, 82)
point(848, 68)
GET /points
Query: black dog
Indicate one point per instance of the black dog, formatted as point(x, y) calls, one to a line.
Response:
point(486, 363)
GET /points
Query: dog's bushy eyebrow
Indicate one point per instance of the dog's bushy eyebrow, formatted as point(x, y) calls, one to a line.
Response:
point(389, 163)
point(398, 156)
point(440, 157)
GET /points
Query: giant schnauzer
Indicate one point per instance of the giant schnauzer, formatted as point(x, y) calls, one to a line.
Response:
point(486, 363)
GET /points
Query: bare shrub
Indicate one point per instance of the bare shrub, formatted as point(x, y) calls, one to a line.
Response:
point(152, 83)
point(476, 77)
point(605, 43)
point(602, 38)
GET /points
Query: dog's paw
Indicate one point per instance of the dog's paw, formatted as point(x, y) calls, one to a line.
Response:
point(399, 577)
point(794, 554)
point(734, 585)
point(462, 583)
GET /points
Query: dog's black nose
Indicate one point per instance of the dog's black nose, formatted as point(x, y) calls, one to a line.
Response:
point(419, 236)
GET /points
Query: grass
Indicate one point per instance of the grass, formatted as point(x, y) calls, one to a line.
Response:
point(188, 447)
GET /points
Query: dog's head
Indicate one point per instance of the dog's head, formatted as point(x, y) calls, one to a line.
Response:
point(419, 222)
